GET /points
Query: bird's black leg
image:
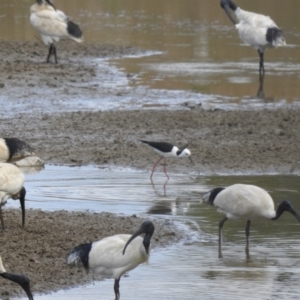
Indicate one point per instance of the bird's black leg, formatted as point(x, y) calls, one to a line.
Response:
point(1, 218)
point(261, 63)
point(260, 93)
point(54, 52)
point(116, 288)
point(50, 52)
point(247, 231)
point(221, 223)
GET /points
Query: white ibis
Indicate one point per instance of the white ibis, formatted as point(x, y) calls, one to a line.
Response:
point(167, 150)
point(114, 255)
point(247, 202)
point(11, 186)
point(53, 24)
point(22, 280)
point(255, 30)
point(13, 149)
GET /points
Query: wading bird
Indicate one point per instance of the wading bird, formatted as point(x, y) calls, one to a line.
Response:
point(166, 150)
point(13, 149)
point(114, 255)
point(11, 186)
point(22, 280)
point(53, 24)
point(247, 202)
point(255, 30)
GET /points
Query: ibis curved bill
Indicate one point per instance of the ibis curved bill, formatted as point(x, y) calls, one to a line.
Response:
point(247, 202)
point(21, 280)
point(11, 186)
point(114, 255)
point(255, 30)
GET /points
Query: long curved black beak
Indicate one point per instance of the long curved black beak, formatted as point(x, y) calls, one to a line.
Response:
point(148, 228)
point(51, 4)
point(22, 202)
point(136, 234)
point(294, 213)
point(286, 205)
point(228, 12)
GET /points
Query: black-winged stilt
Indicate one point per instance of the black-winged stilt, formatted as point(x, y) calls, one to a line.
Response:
point(22, 280)
point(256, 30)
point(247, 202)
point(11, 186)
point(114, 255)
point(13, 149)
point(53, 24)
point(165, 150)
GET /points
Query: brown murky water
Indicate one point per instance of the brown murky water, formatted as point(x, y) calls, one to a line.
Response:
point(192, 269)
point(199, 49)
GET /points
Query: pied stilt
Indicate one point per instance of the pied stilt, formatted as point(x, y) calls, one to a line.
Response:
point(256, 30)
point(167, 150)
point(13, 149)
point(114, 255)
point(53, 24)
point(22, 280)
point(248, 202)
point(11, 186)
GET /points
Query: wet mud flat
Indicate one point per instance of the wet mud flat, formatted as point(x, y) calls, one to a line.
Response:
point(265, 141)
point(259, 141)
point(39, 250)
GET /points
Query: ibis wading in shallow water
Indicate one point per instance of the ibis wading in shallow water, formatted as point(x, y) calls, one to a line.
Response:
point(114, 255)
point(255, 30)
point(11, 186)
point(13, 149)
point(22, 280)
point(53, 24)
point(247, 202)
point(167, 150)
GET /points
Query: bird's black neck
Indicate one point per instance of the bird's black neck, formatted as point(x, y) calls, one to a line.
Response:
point(146, 241)
point(213, 194)
point(285, 205)
point(229, 3)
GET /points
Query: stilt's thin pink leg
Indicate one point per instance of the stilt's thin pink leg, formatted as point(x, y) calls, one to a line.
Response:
point(165, 168)
point(155, 166)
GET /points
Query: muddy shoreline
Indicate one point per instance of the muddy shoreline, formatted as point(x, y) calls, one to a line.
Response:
point(231, 142)
point(39, 250)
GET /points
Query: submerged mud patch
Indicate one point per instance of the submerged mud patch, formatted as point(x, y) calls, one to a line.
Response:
point(39, 250)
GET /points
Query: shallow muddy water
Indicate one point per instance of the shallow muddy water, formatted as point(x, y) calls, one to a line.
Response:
point(195, 46)
point(191, 269)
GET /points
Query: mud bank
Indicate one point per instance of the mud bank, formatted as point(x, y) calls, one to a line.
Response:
point(39, 250)
point(265, 141)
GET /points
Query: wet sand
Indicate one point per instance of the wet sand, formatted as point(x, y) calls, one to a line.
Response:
point(39, 250)
point(264, 141)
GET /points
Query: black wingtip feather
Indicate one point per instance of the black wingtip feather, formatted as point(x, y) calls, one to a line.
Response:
point(74, 30)
point(80, 254)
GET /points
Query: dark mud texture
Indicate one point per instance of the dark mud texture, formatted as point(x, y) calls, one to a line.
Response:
point(39, 250)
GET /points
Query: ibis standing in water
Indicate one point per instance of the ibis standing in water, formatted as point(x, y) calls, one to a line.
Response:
point(11, 186)
point(53, 24)
point(22, 280)
point(114, 255)
point(13, 149)
point(247, 202)
point(165, 150)
point(255, 30)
